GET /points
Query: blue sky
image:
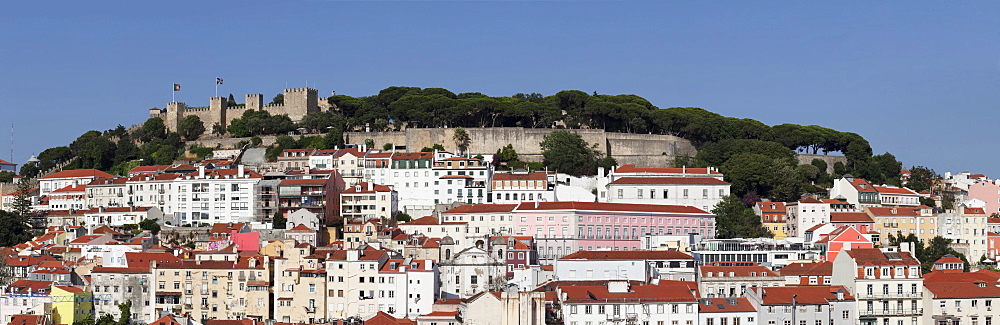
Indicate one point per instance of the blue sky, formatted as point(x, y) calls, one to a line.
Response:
point(917, 79)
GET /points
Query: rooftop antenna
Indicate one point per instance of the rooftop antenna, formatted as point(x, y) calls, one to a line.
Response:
point(12, 142)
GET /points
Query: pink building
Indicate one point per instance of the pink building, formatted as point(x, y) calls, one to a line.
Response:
point(988, 192)
point(561, 228)
point(842, 238)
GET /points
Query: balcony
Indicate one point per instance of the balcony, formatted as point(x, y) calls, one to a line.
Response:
point(910, 295)
point(893, 312)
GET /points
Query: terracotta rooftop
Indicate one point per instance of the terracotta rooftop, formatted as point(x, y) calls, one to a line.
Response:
point(670, 180)
point(808, 269)
point(78, 173)
point(627, 255)
point(875, 257)
point(482, 208)
point(614, 207)
point(806, 295)
point(630, 168)
point(725, 305)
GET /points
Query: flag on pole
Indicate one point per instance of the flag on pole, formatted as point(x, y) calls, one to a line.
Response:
point(177, 87)
point(218, 81)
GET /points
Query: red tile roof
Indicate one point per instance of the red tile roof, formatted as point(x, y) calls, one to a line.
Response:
point(23, 319)
point(627, 255)
point(725, 305)
point(875, 257)
point(895, 190)
point(636, 293)
point(891, 211)
point(78, 173)
point(299, 227)
point(974, 211)
point(850, 217)
point(808, 269)
point(413, 155)
point(670, 180)
point(630, 168)
point(739, 271)
point(313, 182)
point(765, 207)
point(533, 176)
point(363, 188)
point(806, 295)
point(614, 207)
point(483, 208)
point(944, 284)
point(862, 185)
point(71, 188)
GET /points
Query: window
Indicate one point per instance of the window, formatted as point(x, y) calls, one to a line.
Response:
point(847, 314)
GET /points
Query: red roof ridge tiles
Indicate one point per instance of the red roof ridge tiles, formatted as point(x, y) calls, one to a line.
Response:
point(670, 180)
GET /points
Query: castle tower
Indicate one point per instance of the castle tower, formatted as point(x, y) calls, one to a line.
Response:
point(175, 111)
point(255, 101)
point(301, 101)
point(216, 112)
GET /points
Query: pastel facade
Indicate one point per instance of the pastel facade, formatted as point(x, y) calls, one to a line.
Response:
point(988, 192)
point(561, 228)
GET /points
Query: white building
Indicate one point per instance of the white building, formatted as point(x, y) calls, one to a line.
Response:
point(887, 283)
point(407, 287)
point(619, 302)
point(483, 219)
point(471, 271)
point(520, 185)
point(119, 216)
point(625, 265)
point(701, 192)
point(724, 311)
point(65, 178)
point(954, 297)
point(216, 196)
point(811, 305)
point(367, 200)
point(806, 213)
point(71, 197)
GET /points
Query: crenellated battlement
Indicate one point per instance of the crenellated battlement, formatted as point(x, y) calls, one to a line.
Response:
point(298, 103)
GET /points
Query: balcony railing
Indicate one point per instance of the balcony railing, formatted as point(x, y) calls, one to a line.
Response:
point(915, 295)
point(893, 312)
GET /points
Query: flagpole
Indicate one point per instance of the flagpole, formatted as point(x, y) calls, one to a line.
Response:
point(173, 94)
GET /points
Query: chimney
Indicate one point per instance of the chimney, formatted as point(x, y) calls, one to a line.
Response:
point(536, 204)
point(305, 170)
point(371, 186)
point(201, 171)
point(239, 171)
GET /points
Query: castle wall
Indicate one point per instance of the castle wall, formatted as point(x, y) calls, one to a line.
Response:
point(653, 150)
point(829, 159)
point(298, 103)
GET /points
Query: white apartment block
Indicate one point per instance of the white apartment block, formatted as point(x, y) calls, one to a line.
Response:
point(619, 302)
point(519, 186)
point(216, 196)
point(701, 192)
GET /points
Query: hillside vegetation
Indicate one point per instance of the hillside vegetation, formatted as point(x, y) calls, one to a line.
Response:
point(758, 159)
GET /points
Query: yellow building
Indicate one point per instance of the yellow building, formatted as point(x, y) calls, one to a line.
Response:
point(218, 289)
point(773, 216)
point(919, 221)
point(70, 304)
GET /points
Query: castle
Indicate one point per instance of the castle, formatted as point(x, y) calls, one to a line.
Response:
point(298, 103)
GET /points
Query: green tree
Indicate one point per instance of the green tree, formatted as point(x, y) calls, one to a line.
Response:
point(608, 163)
point(217, 129)
point(369, 143)
point(462, 140)
point(334, 139)
point(22, 200)
point(150, 225)
point(436, 146)
point(191, 127)
point(922, 179)
point(151, 129)
point(507, 153)
point(766, 176)
point(14, 229)
point(736, 219)
point(387, 147)
point(403, 217)
point(278, 99)
point(6, 176)
point(567, 152)
point(232, 101)
point(279, 221)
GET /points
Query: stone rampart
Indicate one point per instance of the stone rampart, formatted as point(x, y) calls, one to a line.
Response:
point(654, 150)
point(805, 158)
